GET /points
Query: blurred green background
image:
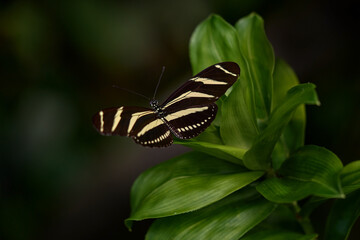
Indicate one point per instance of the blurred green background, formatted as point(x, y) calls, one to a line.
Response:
point(59, 179)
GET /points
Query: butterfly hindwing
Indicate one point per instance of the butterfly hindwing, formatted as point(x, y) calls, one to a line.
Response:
point(190, 122)
point(153, 134)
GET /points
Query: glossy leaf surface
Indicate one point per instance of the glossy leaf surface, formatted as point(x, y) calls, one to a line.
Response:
point(315, 164)
point(228, 153)
point(311, 170)
point(213, 41)
point(350, 181)
point(285, 190)
point(258, 157)
point(228, 219)
point(250, 101)
point(350, 177)
point(184, 184)
point(259, 61)
point(293, 133)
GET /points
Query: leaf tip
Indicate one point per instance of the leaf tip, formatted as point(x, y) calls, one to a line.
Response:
point(255, 14)
point(128, 224)
point(213, 17)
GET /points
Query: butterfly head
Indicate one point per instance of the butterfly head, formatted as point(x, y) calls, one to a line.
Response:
point(154, 104)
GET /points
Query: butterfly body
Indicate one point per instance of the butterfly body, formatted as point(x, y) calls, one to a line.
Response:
point(154, 104)
point(186, 113)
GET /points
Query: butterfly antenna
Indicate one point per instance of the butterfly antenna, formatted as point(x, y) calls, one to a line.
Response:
point(139, 94)
point(157, 86)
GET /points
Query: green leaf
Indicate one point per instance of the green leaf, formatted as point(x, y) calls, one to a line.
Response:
point(258, 156)
point(227, 219)
point(210, 135)
point(284, 79)
point(213, 41)
point(293, 134)
point(224, 152)
point(259, 61)
point(279, 235)
point(184, 184)
point(188, 193)
point(315, 164)
point(342, 217)
point(350, 177)
point(250, 100)
point(311, 170)
point(350, 181)
point(286, 190)
point(282, 218)
point(240, 127)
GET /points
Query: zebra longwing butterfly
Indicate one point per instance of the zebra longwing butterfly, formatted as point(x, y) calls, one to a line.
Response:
point(186, 113)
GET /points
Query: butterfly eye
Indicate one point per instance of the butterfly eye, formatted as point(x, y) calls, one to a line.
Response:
point(154, 103)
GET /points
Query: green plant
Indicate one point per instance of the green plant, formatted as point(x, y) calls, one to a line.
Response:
point(251, 166)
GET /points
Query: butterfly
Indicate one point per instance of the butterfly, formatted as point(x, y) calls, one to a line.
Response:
point(186, 113)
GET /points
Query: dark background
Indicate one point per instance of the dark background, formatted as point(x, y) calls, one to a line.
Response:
point(59, 179)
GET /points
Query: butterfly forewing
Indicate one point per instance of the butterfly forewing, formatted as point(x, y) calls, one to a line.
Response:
point(204, 88)
point(142, 124)
point(120, 121)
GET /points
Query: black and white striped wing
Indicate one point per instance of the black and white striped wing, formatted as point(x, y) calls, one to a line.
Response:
point(204, 88)
point(191, 108)
point(190, 122)
point(151, 132)
point(186, 113)
point(139, 123)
